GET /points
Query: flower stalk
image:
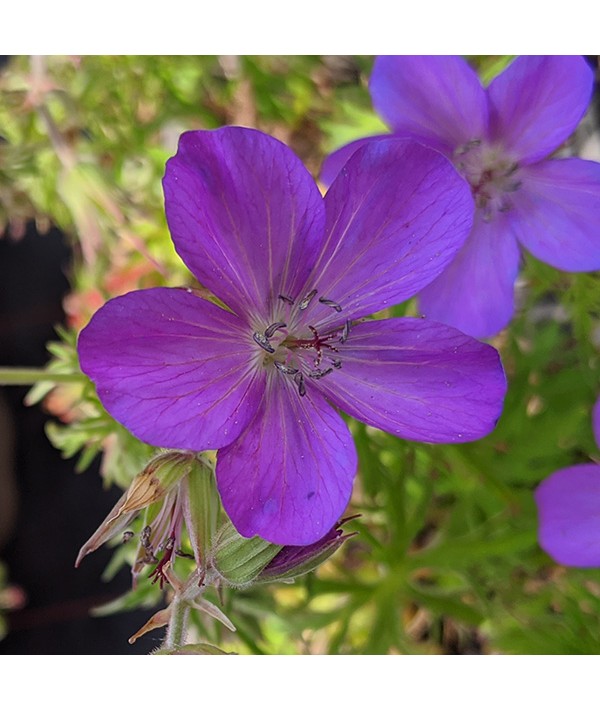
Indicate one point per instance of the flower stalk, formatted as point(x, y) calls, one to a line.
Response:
point(176, 631)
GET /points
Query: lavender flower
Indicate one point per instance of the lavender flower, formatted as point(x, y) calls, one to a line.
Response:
point(499, 138)
point(260, 379)
point(568, 504)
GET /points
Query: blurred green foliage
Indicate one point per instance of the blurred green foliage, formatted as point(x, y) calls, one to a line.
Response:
point(446, 560)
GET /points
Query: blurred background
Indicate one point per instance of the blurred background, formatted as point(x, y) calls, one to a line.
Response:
point(446, 560)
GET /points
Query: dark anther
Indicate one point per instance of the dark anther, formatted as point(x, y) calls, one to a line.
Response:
point(307, 299)
point(127, 536)
point(299, 380)
point(263, 342)
point(274, 327)
point(183, 554)
point(336, 363)
point(333, 304)
point(285, 369)
point(345, 332)
point(287, 299)
point(145, 537)
point(318, 374)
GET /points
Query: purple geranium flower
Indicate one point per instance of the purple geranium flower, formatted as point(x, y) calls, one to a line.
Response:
point(499, 138)
point(568, 504)
point(259, 379)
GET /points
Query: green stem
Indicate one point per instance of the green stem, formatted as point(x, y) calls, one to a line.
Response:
point(30, 376)
point(176, 630)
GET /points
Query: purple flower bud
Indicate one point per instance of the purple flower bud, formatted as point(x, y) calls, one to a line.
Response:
point(293, 561)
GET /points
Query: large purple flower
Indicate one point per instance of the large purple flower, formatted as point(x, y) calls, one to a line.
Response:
point(568, 504)
point(499, 138)
point(260, 379)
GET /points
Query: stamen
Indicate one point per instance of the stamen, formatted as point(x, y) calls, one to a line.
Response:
point(466, 147)
point(336, 363)
point(127, 536)
point(333, 304)
point(263, 342)
point(318, 374)
point(307, 299)
point(145, 537)
point(345, 332)
point(182, 554)
point(285, 369)
point(287, 299)
point(147, 546)
point(274, 327)
point(299, 380)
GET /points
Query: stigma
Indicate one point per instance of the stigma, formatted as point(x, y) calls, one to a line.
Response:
point(298, 351)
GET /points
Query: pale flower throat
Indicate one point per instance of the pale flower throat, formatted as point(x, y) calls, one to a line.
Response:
point(492, 175)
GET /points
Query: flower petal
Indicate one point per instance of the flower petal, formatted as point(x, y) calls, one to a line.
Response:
point(439, 100)
point(418, 380)
point(337, 160)
point(172, 368)
point(596, 421)
point(396, 216)
point(288, 478)
point(536, 103)
point(245, 216)
point(476, 292)
point(568, 504)
point(557, 211)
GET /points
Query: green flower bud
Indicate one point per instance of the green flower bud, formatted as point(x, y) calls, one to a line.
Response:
point(201, 508)
point(238, 560)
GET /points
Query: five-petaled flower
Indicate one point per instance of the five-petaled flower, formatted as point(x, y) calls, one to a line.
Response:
point(260, 379)
point(568, 503)
point(499, 138)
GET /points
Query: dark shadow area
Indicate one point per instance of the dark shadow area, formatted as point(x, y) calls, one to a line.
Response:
point(53, 509)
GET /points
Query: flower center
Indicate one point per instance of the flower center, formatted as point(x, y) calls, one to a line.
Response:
point(491, 174)
point(299, 351)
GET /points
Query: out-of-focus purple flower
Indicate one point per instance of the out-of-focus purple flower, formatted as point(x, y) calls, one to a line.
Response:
point(260, 379)
point(568, 503)
point(499, 138)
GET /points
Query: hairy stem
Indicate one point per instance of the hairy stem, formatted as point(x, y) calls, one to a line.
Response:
point(176, 631)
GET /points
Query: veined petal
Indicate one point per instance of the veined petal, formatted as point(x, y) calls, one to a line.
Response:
point(418, 380)
point(172, 368)
point(536, 103)
point(476, 292)
point(289, 477)
point(337, 160)
point(568, 504)
point(245, 216)
point(438, 100)
point(396, 216)
point(556, 213)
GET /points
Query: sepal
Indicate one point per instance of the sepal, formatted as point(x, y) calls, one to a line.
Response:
point(238, 560)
